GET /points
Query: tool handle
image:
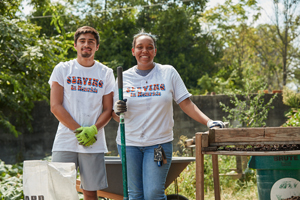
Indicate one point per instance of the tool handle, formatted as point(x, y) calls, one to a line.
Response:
point(122, 133)
point(120, 82)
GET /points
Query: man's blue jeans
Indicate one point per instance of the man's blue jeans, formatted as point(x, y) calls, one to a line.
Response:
point(146, 180)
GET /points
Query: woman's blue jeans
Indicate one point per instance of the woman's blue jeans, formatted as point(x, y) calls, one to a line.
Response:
point(146, 180)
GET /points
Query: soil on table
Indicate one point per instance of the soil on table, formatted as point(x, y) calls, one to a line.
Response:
point(293, 198)
point(275, 147)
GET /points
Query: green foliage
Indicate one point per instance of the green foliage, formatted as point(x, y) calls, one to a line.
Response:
point(291, 98)
point(184, 47)
point(249, 108)
point(220, 83)
point(293, 118)
point(26, 64)
point(51, 26)
point(11, 181)
point(116, 34)
point(268, 60)
point(9, 8)
point(287, 31)
point(247, 44)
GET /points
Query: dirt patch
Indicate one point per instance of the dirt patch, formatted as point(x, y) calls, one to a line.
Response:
point(276, 147)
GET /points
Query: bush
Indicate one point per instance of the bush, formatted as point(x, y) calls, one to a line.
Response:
point(293, 118)
point(11, 178)
point(292, 99)
point(250, 109)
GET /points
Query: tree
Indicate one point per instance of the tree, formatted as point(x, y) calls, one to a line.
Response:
point(51, 26)
point(231, 23)
point(266, 49)
point(287, 27)
point(26, 64)
point(9, 9)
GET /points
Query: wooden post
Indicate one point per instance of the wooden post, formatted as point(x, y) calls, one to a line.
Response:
point(199, 168)
point(239, 164)
point(215, 164)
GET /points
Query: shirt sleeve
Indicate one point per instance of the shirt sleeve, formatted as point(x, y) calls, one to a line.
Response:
point(110, 82)
point(56, 76)
point(180, 91)
point(182, 98)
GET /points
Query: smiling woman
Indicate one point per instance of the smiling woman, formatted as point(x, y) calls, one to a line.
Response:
point(150, 89)
point(144, 51)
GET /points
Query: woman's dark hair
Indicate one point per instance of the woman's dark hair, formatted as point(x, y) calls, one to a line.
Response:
point(141, 33)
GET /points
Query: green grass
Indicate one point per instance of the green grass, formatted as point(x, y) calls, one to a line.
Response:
point(230, 188)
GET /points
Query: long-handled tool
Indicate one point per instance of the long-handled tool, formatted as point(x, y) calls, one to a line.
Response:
point(122, 131)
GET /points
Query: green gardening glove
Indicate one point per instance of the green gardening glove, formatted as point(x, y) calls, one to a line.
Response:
point(90, 142)
point(86, 135)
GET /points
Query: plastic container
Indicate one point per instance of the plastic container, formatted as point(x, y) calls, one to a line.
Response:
point(277, 176)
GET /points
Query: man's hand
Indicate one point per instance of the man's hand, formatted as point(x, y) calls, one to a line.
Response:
point(211, 124)
point(86, 135)
point(89, 143)
point(120, 106)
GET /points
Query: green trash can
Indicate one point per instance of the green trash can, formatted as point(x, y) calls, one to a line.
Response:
point(278, 177)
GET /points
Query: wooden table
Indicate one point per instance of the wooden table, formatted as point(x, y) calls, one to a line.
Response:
point(207, 143)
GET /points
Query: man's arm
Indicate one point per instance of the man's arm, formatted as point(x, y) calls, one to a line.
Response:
point(105, 116)
point(56, 101)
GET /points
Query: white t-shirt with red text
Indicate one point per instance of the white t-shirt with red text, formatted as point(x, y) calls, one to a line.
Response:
point(149, 116)
point(84, 88)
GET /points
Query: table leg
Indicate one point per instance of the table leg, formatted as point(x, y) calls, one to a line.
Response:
point(199, 168)
point(216, 177)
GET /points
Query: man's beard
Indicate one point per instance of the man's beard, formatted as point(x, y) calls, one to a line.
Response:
point(86, 55)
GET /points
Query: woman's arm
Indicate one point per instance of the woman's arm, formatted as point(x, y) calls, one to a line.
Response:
point(193, 111)
point(115, 117)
